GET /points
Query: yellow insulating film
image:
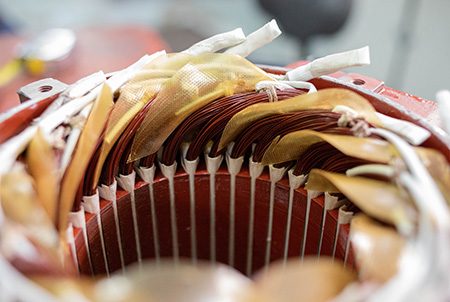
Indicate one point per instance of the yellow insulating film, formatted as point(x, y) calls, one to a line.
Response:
point(326, 99)
point(130, 102)
point(18, 195)
point(291, 147)
point(193, 86)
point(85, 148)
point(144, 86)
point(378, 249)
point(375, 198)
point(21, 206)
point(42, 165)
point(157, 72)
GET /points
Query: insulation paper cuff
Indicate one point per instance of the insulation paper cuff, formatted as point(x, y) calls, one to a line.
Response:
point(276, 174)
point(410, 132)
point(147, 174)
point(77, 218)
point(313, 194)
point(344, 216)
point(256, 39)
point(190, 166)
point(255, 168)
point(91, 204)
point(330, 64)
point(127, 182)
point(296, 181)
point(169, 171)
point(108, 192)
point(332, 202)
point(213, 163)
point(234, 164)
point(217, 42)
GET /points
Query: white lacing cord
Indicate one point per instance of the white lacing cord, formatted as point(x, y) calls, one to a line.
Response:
point(270, 87)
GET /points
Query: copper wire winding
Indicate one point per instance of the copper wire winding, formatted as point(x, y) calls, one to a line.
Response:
point(208, 123)
point(324, 156)
point(214, 128)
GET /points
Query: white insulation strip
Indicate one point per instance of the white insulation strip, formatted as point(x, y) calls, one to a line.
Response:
point(234, 166)
point(330, 64)
point(412, 133)
point(217, 42)
point(148, 175)
point(255, 171)
point(91, 205)
point(109, 193)
point(343, 218)
point(169, 173)
point(276, 174)
point(78, 220)
point(256, 39)
point(212, 165)
point(295, 182)
point(71, 242)
point(190, 166)
point(311, 194)
point(127, 183)
point(57, 117)
point(330, 203)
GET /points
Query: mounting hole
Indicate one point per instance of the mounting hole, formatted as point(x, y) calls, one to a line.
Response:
point(359, 82)
point(45, 88)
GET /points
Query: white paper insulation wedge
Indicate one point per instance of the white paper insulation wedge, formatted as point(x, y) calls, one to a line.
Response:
point(344, 217)
point(212, 166)
point(276, 174)
point(148, 175)
point(310, 195)
point(256, 170)
point(127, 182)
point(91, 204)
point(295, 182)
point(169, 173)
point(77, 219)
point(330, 203)
point(109, 193)
point(234, 166)
point(190, 166)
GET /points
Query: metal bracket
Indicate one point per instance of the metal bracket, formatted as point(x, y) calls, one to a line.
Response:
point(41, 89)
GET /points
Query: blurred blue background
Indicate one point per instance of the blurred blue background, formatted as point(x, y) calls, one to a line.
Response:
point(409, 39)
